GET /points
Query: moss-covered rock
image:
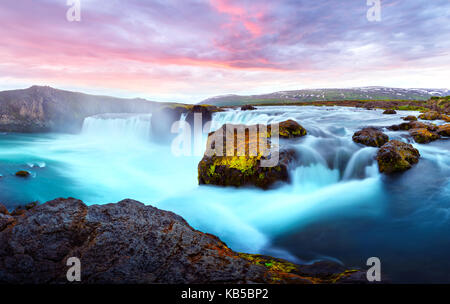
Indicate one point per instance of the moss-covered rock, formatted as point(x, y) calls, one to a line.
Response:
point(430, 115)
point(390, 112)
point(413, 125)
point(410, 118)
point(445, 117)
point(444, 130)
point(242, 164)
point(22, 174)
point(370, 137)
point(290, 129)
point(324, 272)
point(396, 156)
point(423, 135)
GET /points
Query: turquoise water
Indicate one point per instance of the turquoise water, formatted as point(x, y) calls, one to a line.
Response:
point(337, 205)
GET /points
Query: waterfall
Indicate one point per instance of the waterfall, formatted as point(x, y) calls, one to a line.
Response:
point(326, 155)
point(360, 164)
point(118, 126)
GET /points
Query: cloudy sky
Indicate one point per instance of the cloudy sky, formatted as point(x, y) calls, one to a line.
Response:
point(188, 50)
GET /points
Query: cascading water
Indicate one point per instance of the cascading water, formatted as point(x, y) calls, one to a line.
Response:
point(337, 204)
point(136, 126)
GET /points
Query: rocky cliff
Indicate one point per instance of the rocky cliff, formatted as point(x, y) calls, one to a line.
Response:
point(130, 242)
point(44, 109)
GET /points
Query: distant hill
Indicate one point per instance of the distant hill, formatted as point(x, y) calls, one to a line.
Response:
point(363, 93)
point(45, 109)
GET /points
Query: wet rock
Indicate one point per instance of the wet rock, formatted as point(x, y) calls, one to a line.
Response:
point(5, 221)
point(410, 118)
point(22, 174)
point(372, 137)
point(131, 243)
point(444, 130)
point(413, 125)
point(290, 129)
point(247, 108)
point(3, 210)
point(206, 112)
point(390, 111)
point(423, 135)
point(430, 115)
point(396, 156)
point(237, 165)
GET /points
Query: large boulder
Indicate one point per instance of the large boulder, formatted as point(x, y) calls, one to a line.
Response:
point(238, 165)
point(423, 135)
point(290, 129)
point(247, 108)
point(430, 115)
point(396, 156)
point(413, 125)
point(206, 112)
point(22, 174)
point(410, 118)
point(130, 243)
point(372, 137)
point(444, 130)
point(390, 112)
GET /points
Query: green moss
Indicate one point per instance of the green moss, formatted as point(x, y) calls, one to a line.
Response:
point(245, 164)
point(212, 170)
point(411, 108)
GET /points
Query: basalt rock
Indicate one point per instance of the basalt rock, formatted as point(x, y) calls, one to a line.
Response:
point(3, 210)
point(370, 137)
point(22, 174)
point(444, 130)
point(413, 125)
point(249, 160)
point(390, 111)
point(423, 135)
point(431, 115)
point(130, 243)
point(410, 118)
point(396, 156)
point(290, 129)
point(247, 108)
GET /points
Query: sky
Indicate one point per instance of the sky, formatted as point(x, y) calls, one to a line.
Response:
point(189, 50)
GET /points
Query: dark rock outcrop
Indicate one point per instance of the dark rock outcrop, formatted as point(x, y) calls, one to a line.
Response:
point(396, 156)
point(129, 242)
point(290, 129)
point(237, 165)
point(444, 130)
point(247, 108)
point(430, 115)
point(423, 135)
point(22, 174)
point(413, 125)
point(164, 118)
point(390, 112)
point(410, 118)
point(372, 137)
point(206, 112)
